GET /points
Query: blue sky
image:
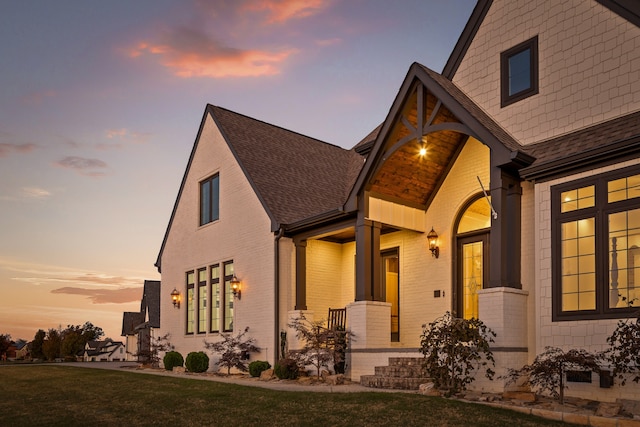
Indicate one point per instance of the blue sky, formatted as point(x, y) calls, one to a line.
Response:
point(100, 103)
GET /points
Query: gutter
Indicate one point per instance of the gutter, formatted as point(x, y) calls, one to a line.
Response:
point(276, 280)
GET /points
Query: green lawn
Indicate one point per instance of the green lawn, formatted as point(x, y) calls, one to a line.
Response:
point(49, 395)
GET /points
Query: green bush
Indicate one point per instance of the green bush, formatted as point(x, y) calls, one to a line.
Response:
point(171, 359)
point(286, 369)
point(256, 368)
point(197, 361)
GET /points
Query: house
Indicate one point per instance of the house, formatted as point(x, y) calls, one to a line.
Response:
point(138, 327)
point(504, 187)
point(104, 351)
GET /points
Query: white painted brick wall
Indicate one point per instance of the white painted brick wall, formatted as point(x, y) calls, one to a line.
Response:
point(242, 234)
point(589, 66)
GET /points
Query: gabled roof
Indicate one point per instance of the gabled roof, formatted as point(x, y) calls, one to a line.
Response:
point(131, 319)
point(447, 117)
point(150, 303)
point(294, 176)
point(627, 9)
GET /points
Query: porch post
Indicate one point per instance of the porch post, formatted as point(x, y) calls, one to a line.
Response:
point(506, 230)
point(368, 284)
point(301, 274)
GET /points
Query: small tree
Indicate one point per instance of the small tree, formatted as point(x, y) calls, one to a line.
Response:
point(157, 346)
point(316, 350)
point(548, 369)
point(5, 343)
point(36, 344)
point(453, 348)
point(624, 350)
point(234, 350)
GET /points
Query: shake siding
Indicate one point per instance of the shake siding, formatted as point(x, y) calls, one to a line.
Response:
point(589, 66)
point(242, 234)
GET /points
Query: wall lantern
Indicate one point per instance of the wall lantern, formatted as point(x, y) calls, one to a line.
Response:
point(235, 287)
point(433, 243)
point(175, 298)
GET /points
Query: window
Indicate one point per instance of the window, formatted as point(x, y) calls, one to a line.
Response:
point(202, 300)
point(214, 272)
point(596, 246)
point(210, 199)
point(519, 72)
point(227, 306)
point(190, 306)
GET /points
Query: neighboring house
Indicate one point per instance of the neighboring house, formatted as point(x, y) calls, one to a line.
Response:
point(138, 327)
point(22, 350)
point(104, 351)
point(539, 104)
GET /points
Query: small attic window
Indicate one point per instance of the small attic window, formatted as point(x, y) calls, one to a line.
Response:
point(210, 199)
point(519, 72)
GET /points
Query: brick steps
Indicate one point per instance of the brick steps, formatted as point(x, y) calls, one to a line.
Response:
point(402, 373)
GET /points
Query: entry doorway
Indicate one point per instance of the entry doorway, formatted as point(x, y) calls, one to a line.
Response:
point(472, 255)
point(391, 286)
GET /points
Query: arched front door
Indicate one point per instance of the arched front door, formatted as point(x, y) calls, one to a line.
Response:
point(472, 255)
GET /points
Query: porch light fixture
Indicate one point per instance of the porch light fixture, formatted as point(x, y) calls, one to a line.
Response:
point(175, 298)
point(433, 243)
point(235, 287)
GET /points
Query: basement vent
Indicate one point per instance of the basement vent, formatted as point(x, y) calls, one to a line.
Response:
point(578, 376)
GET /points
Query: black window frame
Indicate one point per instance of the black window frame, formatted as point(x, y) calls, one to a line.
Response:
point(212, 298)
point(190, 286)
point(211, 214)
point(600, 211)
point(505, 97)
point(201, 327)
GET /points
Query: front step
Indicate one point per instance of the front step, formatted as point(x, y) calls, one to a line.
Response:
point(402, 373)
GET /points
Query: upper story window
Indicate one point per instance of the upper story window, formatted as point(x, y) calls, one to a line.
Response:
point(596, 242)
point(519, 72)
point(210, 199)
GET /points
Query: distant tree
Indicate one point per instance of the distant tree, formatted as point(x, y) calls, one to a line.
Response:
point(36, 344)
point(52, 345)
point(75, 337)
point(5, 343)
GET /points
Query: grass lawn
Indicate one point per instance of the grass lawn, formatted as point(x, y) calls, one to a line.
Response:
point(49, 395)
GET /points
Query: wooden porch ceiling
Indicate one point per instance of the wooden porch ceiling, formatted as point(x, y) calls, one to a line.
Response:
point(405, 176)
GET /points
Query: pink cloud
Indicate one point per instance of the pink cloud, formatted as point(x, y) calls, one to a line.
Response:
point(82, 165)
point(37, 98)
point(103, 296)
point(281, 11)
point(328, 42)
point(6, 149)
point(189, 52)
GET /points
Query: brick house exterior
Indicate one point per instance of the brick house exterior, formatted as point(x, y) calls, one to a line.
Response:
point(539, 105)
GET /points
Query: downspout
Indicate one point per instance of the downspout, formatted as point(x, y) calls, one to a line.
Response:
point(276, 280)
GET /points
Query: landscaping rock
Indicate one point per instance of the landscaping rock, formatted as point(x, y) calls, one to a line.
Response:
point(428, 389)
point(178, 369)
point(524, 396)
point(266, 375)
point(335, 379)
point(608, 409)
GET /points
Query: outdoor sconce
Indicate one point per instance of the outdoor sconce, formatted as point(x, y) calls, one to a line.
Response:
point(175, 298)
point(235, 287)
point(433, 243)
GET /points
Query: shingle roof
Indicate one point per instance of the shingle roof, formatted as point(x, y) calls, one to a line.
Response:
point(150, 303)
point(130, 320)
point(610, 139)
point(295, 176)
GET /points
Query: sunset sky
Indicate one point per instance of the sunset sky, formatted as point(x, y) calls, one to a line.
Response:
point(100, 103)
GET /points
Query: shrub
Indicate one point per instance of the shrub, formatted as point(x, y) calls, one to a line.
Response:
point(234, 350)
point(197, 361)
point(547, 371)
point(171, 359)
point(624, 350)
point(286, 369)
point(256, 367)
point(453, 348)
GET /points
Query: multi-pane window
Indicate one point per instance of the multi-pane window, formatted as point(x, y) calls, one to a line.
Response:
point(596, 232)
point(190, 303)
point(210, 199)
point(228, 297)
point(214, 272)
point(519, 72)
point(202, 300)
